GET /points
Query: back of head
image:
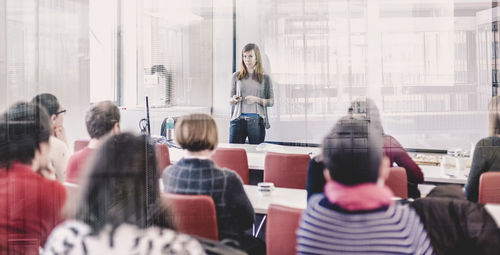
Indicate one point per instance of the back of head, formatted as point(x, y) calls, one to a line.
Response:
point(121, 185)
point(367, 109)
point(101, 118)
point(22, 128)
point(196, 132)
point(352, 151)
point(494, 116)
point(48, 101)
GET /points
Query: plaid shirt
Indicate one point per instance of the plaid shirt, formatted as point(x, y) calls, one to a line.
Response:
point(202, 177)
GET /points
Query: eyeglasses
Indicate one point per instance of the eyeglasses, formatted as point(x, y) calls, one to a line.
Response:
point(60, 112)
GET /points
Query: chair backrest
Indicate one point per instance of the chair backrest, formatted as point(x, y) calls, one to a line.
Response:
point(398, 182)
point(80, 144)
point(193, 214)
point(489, 188)
point(286, 170)
point(234, 159)
point(162, 157)
point(282, 224)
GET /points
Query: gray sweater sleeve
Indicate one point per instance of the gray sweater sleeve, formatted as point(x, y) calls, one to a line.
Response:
point(239, 203)
point(233, 85)
point(269, 94)
point(477, 168)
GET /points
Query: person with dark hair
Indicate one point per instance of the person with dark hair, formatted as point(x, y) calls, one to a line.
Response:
point(367, 109)
point(251, 94)
point(198, 174)
point(30, 205)
point(102, 119)
point(356, 214)
point(59, 150)
point(120, 211)
point(486, 153)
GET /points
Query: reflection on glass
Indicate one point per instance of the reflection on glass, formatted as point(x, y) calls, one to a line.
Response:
point(175, 52)
point(420, 62)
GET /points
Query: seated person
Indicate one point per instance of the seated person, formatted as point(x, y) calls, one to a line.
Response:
point(392, 149)
point(486, 156)
point(120, 211)
point(59, 151)
point(456, 225)
point(101, 120)
point(197, 174)
point(30, 205)
point(356, 214)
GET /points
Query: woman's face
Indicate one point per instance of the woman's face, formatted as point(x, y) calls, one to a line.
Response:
point(58, 119)
point(249, 59)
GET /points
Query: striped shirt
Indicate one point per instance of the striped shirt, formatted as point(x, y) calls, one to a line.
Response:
point(327, 229)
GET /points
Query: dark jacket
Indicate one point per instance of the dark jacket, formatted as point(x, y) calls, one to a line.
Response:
point(195, 176)
point(392, 149)
point(456, 225)
point(486, 158)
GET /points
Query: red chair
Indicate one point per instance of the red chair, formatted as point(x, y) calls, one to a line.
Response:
point(281, 229)
point(162, 157)
point(193, 214)
point(286, 170)
point(234, 159)
point(80, 144)
point(398, 182)
point(489, 188)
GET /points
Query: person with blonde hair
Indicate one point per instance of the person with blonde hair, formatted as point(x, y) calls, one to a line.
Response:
point(487, 151)
point(197, 174)
point(251, 94)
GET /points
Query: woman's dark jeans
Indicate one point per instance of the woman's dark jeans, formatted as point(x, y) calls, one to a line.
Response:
point(251, 126)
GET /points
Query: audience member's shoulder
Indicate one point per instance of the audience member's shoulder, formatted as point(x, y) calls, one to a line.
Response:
point(66, 237)
point(488, 142)
point(230, 174)
point(57, 145)
point(315, 199)
point(178, 243)
point(404, 210)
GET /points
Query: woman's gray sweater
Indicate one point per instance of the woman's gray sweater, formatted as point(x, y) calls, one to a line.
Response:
point(251, 87)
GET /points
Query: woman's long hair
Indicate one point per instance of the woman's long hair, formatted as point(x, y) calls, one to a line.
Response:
point(494, 116)
point(122, 186)
point(257, 72)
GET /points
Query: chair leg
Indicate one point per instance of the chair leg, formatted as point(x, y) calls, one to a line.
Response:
point(260, 226)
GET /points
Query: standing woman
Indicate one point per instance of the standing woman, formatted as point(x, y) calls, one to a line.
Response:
point(251, 94)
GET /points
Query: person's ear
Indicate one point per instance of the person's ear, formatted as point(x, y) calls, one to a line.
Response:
point(326, 174)
point(384, 169)
point(116, 128)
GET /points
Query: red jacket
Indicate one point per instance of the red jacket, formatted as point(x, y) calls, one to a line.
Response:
point(76, 163)
point(396, 153)
point(30, 207)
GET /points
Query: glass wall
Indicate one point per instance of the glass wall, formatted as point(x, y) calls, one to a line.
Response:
point(423, 62)
point(174, 47)
point(427, 64)
point(44, 47)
